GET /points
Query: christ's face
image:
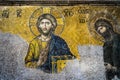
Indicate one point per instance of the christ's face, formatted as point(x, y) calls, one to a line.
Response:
point(45, 26)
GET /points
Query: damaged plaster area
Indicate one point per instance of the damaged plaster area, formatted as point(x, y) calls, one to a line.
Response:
point(13, 50)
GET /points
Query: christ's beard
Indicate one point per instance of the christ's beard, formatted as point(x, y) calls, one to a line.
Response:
point(46, 34)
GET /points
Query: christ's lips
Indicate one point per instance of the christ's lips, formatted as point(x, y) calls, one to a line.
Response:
point(44, 29)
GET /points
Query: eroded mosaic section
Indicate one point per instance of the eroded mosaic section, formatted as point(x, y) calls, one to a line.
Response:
point(13, 50)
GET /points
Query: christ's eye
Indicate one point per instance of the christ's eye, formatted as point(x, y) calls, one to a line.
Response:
point(41, 22)
point(47, 23)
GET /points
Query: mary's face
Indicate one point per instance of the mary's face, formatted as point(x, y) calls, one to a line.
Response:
point(45, 26)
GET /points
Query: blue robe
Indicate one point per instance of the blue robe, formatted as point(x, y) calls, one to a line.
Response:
point(57, 47)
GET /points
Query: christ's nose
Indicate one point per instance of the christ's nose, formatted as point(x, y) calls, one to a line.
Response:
point(45, 25)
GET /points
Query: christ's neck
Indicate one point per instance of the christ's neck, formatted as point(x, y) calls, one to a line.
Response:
point(45, 37)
